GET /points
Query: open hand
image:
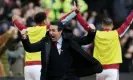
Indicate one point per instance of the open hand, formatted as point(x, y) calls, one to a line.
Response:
point(76, 7)
point(92, 27)
point(15, 17)
point(24, 33)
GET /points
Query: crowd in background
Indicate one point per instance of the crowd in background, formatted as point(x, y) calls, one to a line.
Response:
point(13, 57)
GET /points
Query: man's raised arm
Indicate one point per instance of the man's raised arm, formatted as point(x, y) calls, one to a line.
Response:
point(84, 24)
point(34, 47)
point(125, 26)
point(66, 18)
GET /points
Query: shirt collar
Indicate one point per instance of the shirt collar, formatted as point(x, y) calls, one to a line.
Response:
point(60, 40)
point(41, 24)
point(106, 29)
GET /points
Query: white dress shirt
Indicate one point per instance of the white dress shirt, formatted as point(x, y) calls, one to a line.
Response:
point(59, 45)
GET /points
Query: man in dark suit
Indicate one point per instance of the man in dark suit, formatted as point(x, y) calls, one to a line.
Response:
point(62, 57)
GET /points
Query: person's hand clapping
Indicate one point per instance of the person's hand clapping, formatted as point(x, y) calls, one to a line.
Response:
point(24, 33)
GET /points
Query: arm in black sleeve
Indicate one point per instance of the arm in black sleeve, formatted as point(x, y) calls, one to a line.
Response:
point(86, 39)
point(34, 47)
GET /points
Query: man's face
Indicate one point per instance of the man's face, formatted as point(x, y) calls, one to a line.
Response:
point(54, 33)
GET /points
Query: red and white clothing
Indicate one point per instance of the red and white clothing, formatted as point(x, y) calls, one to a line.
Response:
point(32, 68)
point(110, 70)
point(108, 74)
point(32, 72)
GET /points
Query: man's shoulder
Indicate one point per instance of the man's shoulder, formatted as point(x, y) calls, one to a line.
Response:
point(67, 35)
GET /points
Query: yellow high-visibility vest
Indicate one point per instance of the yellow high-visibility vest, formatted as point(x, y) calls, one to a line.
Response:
point(35, 34)
point(107, 47)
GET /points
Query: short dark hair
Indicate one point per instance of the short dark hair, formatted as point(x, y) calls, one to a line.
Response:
point(60, 25)
point(107, 21)
point(40, 17)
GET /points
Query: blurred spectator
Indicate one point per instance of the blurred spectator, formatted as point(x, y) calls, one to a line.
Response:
point(92, 17)
point(16, 56)
point(4, 41)
point(2, 72)
point(127, 50)
point(16, 11)
point(93, 14)
point(4, 26)
point(18, 3)
point(120, 11)
point(2, 10)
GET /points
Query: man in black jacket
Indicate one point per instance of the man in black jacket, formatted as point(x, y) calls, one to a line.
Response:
point(62, 57)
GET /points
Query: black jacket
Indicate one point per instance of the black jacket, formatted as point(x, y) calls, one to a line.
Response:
point(83, 64)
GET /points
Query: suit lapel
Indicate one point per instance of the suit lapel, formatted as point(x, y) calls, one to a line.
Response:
point(48, 47)
point(64, 47)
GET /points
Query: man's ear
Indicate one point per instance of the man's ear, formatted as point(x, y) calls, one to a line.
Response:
point(60, 31)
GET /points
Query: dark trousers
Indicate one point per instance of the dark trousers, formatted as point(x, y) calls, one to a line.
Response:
point(64, 78)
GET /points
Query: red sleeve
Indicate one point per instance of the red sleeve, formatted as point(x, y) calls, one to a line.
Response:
point(125, 26)
point(82, 22)
point(18, 25)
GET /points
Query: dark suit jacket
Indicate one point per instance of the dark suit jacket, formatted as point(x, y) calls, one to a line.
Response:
point(83, 63)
